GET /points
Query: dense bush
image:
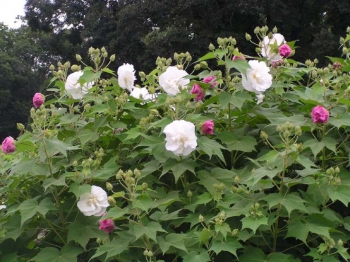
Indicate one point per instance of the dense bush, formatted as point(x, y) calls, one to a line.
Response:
point(247, 162)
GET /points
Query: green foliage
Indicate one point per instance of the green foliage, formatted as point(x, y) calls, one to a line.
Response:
point(269, 184)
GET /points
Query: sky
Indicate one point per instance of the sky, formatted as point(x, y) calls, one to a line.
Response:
point(9, 9)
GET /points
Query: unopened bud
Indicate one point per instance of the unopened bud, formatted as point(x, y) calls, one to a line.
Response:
point(189, 193)
point(211, 47)
point(337, 170)
point(144, 186)
point(340, 242)
point(52, 67)
point(78, 57)
point(75, 68)
point(263, 135)
point(20, 126)
point(197, 67)
point(112, 58)
point(248, 37)
point(274, 30)
point(109, 186)
point(111, 201)
point(200, 218)
point(235, 232)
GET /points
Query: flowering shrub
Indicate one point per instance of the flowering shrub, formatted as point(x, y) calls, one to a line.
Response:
point(107, 173)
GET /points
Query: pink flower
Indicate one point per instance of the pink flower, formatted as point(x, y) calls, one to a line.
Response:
point(319, 114)
point(285, 50)
point(236, 57)
point(210, 80)
point(208, 127)
point(197, 90)
point(38, 100)
point(275, 64)
point(336, 65)
point(106, 225)
point(8, 145)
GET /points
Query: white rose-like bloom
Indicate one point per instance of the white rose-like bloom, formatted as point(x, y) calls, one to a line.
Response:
point(141, 93)
point(258, 78)
point(2, 207)
point(267, 51)
point(126, 76)
point(180, 137)
point(74, 88)
point(94, 203)
point(172, 79)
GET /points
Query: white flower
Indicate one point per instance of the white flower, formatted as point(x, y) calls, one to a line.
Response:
point(94, 203)
point(172, 79)
point(260, 98)
point(180, 137)
point(126, 76)
point(2, 207)
point(269, 47)
point(74, 88)
point(258, 78)
point(142, 94)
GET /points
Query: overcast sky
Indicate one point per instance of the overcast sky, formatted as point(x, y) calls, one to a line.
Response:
point(9, 9)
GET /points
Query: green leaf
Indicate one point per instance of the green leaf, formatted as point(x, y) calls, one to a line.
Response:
point(344, 253)
point(236, 100)
point(341, 193)
point(208, 56)
point(78, 189)
point(83, 229)
point(54, 146)
point(289, 202)
point(239, 64)
point(87, 136)
point(205, 236)
point(172, 240)
point(343, 120)
point(150, 230)
point(68, 253)
point(252, 254)
point(230, 245)
point(113, 248)
point(253, 223)
point(144, 202)
point(194, 256)
point(30, 207)
point(234, 142)
point(179, 167)
point(54, 182)
point(211, 147)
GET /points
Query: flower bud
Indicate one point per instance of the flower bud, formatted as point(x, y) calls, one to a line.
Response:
point(236, 179)
point(144, 186)
point(112, 58)
point(263, 135)
point(52, 67)
point(340, 242)
point(342, 40)
point(274, 30)
point(150, 253)
point(337, 170)
point(78, 57)
point(111, 201)
point(176, 56)
point(75, 68)
point(248, 37)
point(235, 232)
point(109, 186)
point(189, 193)
point(119, 175)
point(200, 219)
point(145, 252)
point(197, 67)
point(20, 126)
point(211, 47)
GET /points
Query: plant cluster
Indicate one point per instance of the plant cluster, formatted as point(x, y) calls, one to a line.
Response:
point(244, 162)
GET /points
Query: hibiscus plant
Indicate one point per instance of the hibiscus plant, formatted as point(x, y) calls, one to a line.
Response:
point(226, 158)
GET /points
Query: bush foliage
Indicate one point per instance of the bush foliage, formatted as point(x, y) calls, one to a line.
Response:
point(269, 185)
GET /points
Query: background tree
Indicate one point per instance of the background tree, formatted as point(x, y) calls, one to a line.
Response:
point(20, 77)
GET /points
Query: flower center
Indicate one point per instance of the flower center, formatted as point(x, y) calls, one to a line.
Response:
point(92, 201)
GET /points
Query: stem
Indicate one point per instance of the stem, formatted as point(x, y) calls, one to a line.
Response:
point(229, 116)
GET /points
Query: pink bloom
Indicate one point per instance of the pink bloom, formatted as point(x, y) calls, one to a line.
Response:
point(210, 80)
point(8, 145)
point(236, 57)
point(319, 114)
point(38, 100)
point(197, 90)
point(107, 225)
point(208, 127)
point(285, 50)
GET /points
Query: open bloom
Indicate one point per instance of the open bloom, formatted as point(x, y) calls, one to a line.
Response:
point(94, 203)
point(180, 137)
point(38, 100)
point(270, 47)
point(8, 145)
point(141, 93)
point(126, 76)
point(210, 80)
point(319, 114)
point(284, 50)
point(257, 78)
point(74, 88)
point(172, 80)
point(106, 225)
point(197, 90)
point(208, 127)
